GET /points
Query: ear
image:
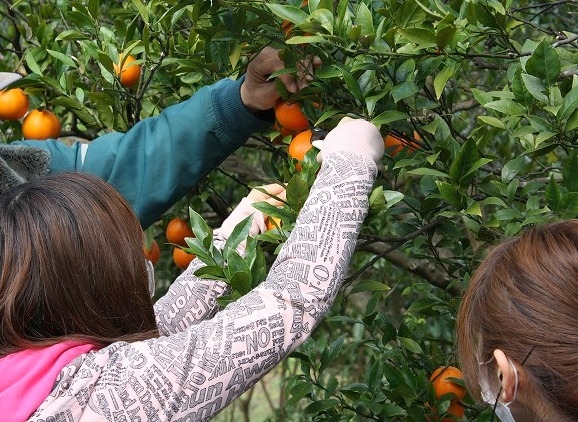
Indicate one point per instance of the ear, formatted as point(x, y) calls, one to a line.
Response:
point(509, 378)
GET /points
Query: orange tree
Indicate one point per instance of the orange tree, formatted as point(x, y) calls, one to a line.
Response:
point(487, 89)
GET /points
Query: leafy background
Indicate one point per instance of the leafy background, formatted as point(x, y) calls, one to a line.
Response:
point(489, 87)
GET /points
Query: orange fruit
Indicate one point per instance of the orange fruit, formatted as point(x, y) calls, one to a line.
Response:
point(290, 116)
point(456, 409)
point(13, 104)
point(287, 26)
point(130, 73)
point(442, 385)
point(273, 222)
point(394, 144)
point(300, 144)
point(153, 254)
point(177, 230)
point(181, 258)
point(40, 124)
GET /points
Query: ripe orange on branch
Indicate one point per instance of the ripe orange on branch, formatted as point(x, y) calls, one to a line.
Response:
point(181, 258)
point(153, 254)
point(290, 116)
point(41, 124)
point(442, 384)
point(177, 230)
point(13, 104)
point(129, 75)
point(300, 144)
point(273, 223)
point(394, 144)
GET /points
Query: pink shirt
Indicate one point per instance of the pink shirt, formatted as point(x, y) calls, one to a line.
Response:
point(28, 377)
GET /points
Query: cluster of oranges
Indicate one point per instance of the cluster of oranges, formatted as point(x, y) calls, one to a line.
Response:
point(37, 124)
point(42, 123)
point(442, 380)
point(176, 231)
point(291, 121)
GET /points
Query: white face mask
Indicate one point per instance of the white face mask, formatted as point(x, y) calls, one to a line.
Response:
point(151, 277)
point(491, 393)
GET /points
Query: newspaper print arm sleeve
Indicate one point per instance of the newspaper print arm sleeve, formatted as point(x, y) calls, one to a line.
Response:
point(195, 373)
point(231, 352)
point(189, 300)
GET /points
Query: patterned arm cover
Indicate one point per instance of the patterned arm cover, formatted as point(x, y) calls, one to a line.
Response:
point(201, 367)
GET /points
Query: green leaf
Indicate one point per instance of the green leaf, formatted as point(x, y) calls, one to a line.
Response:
point(258, 265)
point(544, 63)
point(572, 122)
point(553, 194)
point(474, 209)
point(306, 39)
point(351, 83)
point(31, 62)
point(512, 168)
point(242, 282)
point(449, 192)
point(201, 229)
point(388, 117)
point(509, 107)
point(424, 38)
point(239, 234)
point(298, 391)
point(330, 353)
point(442, 78)
point(369, 286)
point(428, 172)
point(569, 104)
point(465, 159)
point(392, 197)
point(404, 90)
point(364, 19)
point(291, 13)
point(390, 410)
point(570, 171)
point(568, 205)
point(211, 273)
point(535, 87)
point(519, 89)
point(321, 406)
point(481, 97)
point(297, 191)
point(411, 345)
point(492, 121)
point(445, 36)
point(142, 10)
point(196, 247)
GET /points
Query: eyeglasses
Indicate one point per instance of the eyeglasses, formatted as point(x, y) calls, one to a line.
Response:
point(501, 410)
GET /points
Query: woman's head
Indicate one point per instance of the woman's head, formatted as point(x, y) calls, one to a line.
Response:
point(523, 301)
point(71, 265)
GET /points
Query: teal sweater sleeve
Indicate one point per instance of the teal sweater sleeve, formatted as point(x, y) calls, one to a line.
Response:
point(159, 159)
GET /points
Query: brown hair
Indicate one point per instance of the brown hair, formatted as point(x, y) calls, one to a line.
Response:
point(71, 265)
point(522, 298)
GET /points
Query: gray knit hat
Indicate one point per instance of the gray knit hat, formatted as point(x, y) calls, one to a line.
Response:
point(7, 78)
point(19, 163)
